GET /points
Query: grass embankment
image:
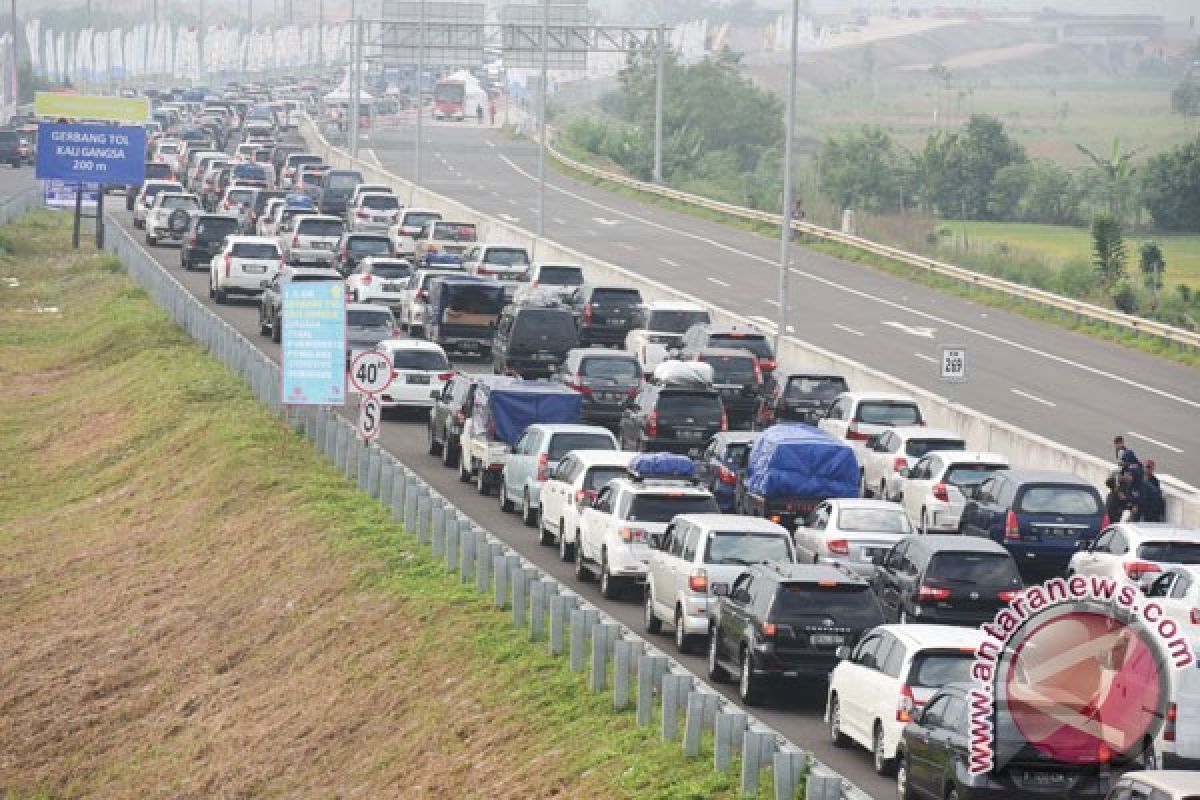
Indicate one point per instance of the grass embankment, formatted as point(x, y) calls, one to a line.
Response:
point(192, 610)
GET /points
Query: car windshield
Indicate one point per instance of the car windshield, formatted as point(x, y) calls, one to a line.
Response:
point(758, 345)
point(739, 547)
point(598, 477)
point(298, 161)
point(342, 181)
point(180, 202)
point(1059, 500)
point(561, 276)
point(152, 191)
point(507, 256)
point(380, 202)
point(369, 244)
point(475, 298)
point(617, 297)
point(919, 447)
point(985, 569)
point(558, 327)
point(1170, 552)
point(256, 250)
point(874, 520)
point(736, 452)
point(935, 669)
point(675, 321)
point(241, 196)
point(319, 227)
point(701, 406)
point(803, 387)
point(156, 170)
point(216, 226)
point(362, 318)
point(454, 232)
point(970, 474)
point(429, 360)
point(882, 413)
point(850, 604)
point(391, 271)
point(563, 443)
point(663, 507)
point(614, 370)
point(732, 369)
point(417, 219)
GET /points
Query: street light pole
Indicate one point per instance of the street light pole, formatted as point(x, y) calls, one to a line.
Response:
point(660, 72)
point(320, 33)
point(785, 238)
point(541, 216)
point(420, 91)
point(355, 87)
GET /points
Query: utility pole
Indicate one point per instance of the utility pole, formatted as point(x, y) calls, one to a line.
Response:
point(785, 238)
point(200, 65)
point(320, 33)
point(541, 217)
point(420, 92)
point(660, 70)
point(355, 86)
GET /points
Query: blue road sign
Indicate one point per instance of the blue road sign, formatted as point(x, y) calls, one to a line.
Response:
point(105, 154)
point(61, 195)
point(314, 343)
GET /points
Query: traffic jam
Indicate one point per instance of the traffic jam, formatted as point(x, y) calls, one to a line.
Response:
point(781, 524)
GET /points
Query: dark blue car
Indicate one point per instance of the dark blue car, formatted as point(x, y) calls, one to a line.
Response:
point(719, 465)
point(1041, 517)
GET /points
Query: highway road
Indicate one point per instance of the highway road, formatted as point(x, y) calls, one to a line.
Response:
point(1065, 386)
point(15, 181)
point(799, 716)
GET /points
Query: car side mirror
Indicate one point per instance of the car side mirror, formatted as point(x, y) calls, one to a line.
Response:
point(903, 472)
point(720, 589)
point(843, 653)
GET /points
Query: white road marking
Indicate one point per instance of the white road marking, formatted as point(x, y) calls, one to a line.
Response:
point(668, 262)
point(625, 246)
point(1033, 397)
point(764, 322)
point(534, 209)
point(558, 220)
point(720, 283)
point(607, 222)
point(1146, 438)
point(924, 333)
point(924, 357)
point(841, 327)
point(489, 143)
point(509, 218)
point(771, 302)
point(867, 295)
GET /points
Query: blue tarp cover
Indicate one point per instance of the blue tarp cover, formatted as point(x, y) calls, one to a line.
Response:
point(801, 461)
point(512, 405)
point(662, 465)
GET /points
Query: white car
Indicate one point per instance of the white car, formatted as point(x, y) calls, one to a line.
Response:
point(372, 212)
point(311, 238)
point(414, 300)
point(536, 455)
point(243, 266)
point(269, 218)
point(851, 532)
point(614, 532)
point(571, 487)
point(931, 489)
point(419, 370)
point(507, 263)
point(368, 188)
point(1177, 591)
point(159, 223)
point(658, 328)
point(1137, 551)
point(695, 552)
point(560, 279)
point(896, 449)
point(145, 198)
point(378, 279)
point(1159, 784)
point(857, 416)
point(403, 233)
point(878, 687)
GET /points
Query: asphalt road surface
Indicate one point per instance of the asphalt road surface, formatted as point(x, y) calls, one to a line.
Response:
point(1065, 386)
point(799, 716)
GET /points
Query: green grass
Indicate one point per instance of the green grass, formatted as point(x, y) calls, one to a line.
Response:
point(246, 622)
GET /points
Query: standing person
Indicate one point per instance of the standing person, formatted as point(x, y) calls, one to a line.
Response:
point(1113, 507)
point(492, 111)
point(1118, 448)
point(1130, 499)
point(1154, 505)
point(479, 113)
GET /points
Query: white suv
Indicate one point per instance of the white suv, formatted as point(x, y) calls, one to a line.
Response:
point(885, 455)
point(659, 328)
point(311, 239)
point(614, 533)
point(145, 198)
point(697, 551)
point(931, 489)
point(857, 416)
point(159, 219)
point(243, 266)
point(538, 452)
point(408, 225)
point(877, 689)
point(571, 487)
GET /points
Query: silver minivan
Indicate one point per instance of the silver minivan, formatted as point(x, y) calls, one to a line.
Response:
point(311, 238)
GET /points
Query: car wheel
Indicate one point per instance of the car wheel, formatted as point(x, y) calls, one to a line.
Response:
point(545, 537)
point(649, 620)
point(952, 794)
point(683, 640)
point(435, 447)
point(481, 481)
point(836, 737)
point(902, 789)
point(263, 328)
point(716, 672)
point(449, 454)
point(211, 292)
point(219, 296)
point(528, 514)
point(464, 474)
point(610, 587)
point(750, 687)
point(924, 529)
point(276, 329)
point(506, 505)
point(150, 240)
point(566, 550)
point(879, 759)
point(582, 572)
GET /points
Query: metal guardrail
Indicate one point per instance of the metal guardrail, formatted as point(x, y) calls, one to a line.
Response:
point(1094, 313)
point(644, 680)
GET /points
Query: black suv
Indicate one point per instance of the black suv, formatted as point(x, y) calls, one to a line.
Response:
point(204, 238)
point(786, 621)
point(605, 313)
point(451, 407)
point(799, 397)
point(10, 148)
point(738, 380)
point(336, 187)
point(943, 578)
point(672, 417)
point(605, 378)
point(531, 341)
point(354, 247)
point(738, 337)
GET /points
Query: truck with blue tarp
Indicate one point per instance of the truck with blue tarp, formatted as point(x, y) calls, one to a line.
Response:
point(793, 468)
point(502, 408)
point(463, 310)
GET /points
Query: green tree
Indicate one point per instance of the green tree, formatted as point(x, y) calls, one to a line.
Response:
point(1152, 265)
point(956, 171)
point(1108, 251)
point(1116, 172)
point(862, 169)
point(1185, 98)
point(1170, 186)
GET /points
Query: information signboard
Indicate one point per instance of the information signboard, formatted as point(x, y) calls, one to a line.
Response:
point(105, 154)
point(61, 195)
point(56, 105)
point(314, 343)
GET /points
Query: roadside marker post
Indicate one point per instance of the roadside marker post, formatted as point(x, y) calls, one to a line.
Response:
point(952, 368)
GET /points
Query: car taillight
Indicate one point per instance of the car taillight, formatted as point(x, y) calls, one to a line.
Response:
point(1171, 720)
point(586, 391)
point(367, 279)
point(1195, 616)
point(932, 593)
point(192, 240)
point(652, 424)
point(1008, 595)
point(543, 465)
point(1104, 522)
point(633, 535)
point(587, 312)
point(1012, 528)
point(584, 494)
point(423, 294)
point(940, 492)
point(345, 252)
point(362, 215)
point(1136, 569)
point(485, 270)
point(758, 378)
point(533, 285)
point(906, 705)
point(854, 435)
point(839, 547)
point(228, 264)
point(726, 475)
point(899, 463)
point(398, 332)
point(491, 429)
point(295, 241)
point(282, 263)
point(698, 582)
point(724, 421)
point(769, 629)
point(767, 364)
point(445, 376)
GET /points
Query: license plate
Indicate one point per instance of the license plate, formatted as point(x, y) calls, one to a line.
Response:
point(693, 452)
point(468, 346)
point(419, 379)
point(393, 287)
point(827, 639)
point(543, 356)
point(689, 436)
point(615, 323)
point(1045, 778)
point(321, 245)
point(256, 269)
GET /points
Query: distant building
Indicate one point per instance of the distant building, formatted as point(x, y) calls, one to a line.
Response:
point(1104, 30)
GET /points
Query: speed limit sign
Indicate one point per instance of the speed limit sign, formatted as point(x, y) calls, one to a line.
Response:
point(371, 373)
point(954, 364)
point(370, 412)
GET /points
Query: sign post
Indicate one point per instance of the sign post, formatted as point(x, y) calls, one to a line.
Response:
point(952, 367)
point(370, 374)
point(314, 345)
